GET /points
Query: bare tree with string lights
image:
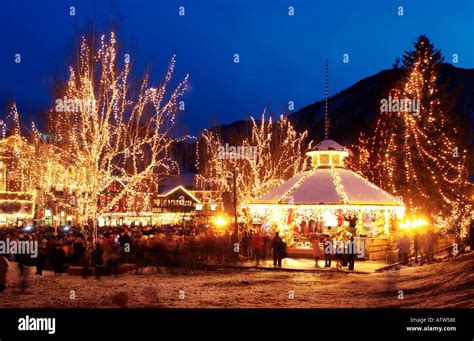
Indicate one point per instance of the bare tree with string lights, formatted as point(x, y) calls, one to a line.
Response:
point(107, 127)
point(278, 153)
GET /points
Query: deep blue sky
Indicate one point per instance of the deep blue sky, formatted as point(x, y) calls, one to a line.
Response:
point(281, 57)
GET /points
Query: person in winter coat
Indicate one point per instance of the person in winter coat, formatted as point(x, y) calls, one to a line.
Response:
point(58, 258)
point(113, 259)
point(277, 246)
point(98, 260)
point(431, 240)
point(352, 254)
point(3, 272)
point(327, 251)
point(257, 246)
point(78, 250)
point(246, 244)
point(316, 250)
point(404, 249)
point(124, 239)
point(266, 245)
point(416, 246)
point(125, 245)
point(41, 259)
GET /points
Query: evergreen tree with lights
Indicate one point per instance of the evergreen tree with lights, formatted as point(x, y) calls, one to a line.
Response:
point(421, 155)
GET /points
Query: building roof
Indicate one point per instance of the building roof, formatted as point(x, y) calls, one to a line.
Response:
point(186, 180)
point(328, 183)
point(320, 187)
point(328, 145)
point(178, 190)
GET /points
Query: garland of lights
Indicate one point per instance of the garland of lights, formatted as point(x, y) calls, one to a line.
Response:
point(338, 185)
point(424, 144)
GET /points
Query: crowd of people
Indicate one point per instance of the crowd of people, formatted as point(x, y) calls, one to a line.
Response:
point(61, 249)
point(193, 247)
point(258, 245)
point(420, 247)
point(424, 247)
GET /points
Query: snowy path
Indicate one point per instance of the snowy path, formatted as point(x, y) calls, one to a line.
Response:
point(308, 264)
point(446, 284)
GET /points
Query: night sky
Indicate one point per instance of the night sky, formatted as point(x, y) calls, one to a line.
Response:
point(281, 56)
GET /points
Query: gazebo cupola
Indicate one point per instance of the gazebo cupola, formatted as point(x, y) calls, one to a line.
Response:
point(327, 153)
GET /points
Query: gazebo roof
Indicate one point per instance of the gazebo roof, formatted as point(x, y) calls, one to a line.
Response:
point(325, 186)
point(328, 183)
point(328, 145)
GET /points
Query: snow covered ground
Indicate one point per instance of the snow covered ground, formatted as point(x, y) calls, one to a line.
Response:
point(446, 284)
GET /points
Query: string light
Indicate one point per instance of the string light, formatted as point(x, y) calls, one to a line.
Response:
point(420, 157)
point(105, 132)
point(278, 155)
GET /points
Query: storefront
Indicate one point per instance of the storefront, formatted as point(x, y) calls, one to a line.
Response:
point(176, 207)
point(142, 219)
point(16, 209)
point(17, 197)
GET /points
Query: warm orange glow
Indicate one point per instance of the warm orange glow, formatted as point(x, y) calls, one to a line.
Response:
point(415, 223)
point(220, 221)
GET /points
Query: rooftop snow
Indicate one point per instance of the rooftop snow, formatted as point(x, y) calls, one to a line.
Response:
point(317, 188)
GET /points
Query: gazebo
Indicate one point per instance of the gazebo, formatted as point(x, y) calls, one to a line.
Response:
point(327, 199)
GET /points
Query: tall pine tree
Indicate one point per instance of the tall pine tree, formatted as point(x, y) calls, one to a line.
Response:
point(420, 155)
